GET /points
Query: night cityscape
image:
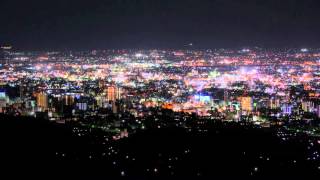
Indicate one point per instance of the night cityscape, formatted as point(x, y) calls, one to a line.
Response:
point(160, 89)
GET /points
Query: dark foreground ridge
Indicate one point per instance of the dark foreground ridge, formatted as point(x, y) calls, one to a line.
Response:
point(37, 148)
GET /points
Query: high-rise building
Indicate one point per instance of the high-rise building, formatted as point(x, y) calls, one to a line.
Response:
point(2, 56)
point(42, 100)
point(3, 101)
point(99, 101)
point(246, 103)
point(308, 106)
point(23, 90)
point(286, 109)
point(113, 93)
point(118, 93)
point(274, 103)
point(318, 110)
point(4, 51)
point(101, 83)
point(226, 96)
point(68, 100)
point(82, 106)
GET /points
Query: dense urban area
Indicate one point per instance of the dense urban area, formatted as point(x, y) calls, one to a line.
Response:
point(248, 112)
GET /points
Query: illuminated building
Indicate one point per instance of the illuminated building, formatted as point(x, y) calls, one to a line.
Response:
point(99, 101)
point(246, 103)
point(101, 83)
point(113, 93)
point(274, 103)
point(114, 108)
point(42, 100)
point(1, 56)
point(286, 109)
point(202, 98)
point(68, 100)
point(30, 104)
point(226, 96)
point(4, 54)
point(22, 90)
point(318, 110)
point(82, 106)
point(3, 101)
point(3, 95)
point(167, 106)
point(307, 106)
point(6, 47)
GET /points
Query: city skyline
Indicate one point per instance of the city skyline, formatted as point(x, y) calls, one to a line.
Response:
point(163, 113)
point(148, 89)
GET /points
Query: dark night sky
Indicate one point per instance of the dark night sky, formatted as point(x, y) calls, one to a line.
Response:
point(87, 24)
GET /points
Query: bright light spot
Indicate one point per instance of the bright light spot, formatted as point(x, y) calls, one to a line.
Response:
point(138, 55)
point(245, 50)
